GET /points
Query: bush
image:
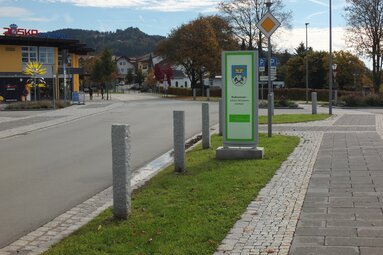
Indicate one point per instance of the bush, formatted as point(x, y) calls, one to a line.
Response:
point(37, 105)
point(281, 102)
point(355, 100)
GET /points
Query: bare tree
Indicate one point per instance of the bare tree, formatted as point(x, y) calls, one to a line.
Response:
point(244, 15)
point(365, 32)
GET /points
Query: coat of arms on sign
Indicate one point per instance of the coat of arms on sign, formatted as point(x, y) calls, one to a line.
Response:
point(239, 74)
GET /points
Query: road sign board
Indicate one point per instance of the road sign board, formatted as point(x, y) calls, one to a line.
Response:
point(268, 24)
point(262, 64)
point(273, 63)
point(240, 95)
point(265, 78)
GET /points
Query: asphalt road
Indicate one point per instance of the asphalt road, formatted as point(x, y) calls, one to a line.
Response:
point(47, 172)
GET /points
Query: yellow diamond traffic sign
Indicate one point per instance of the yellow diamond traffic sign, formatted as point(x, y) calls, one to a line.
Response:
point(268, 24)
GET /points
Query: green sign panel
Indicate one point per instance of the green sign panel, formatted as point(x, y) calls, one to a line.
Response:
point(240, 95)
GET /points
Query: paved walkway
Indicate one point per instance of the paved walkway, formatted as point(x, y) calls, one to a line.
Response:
point(325, 199)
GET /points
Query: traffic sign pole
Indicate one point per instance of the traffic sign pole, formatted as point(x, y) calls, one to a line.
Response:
point(267, 25)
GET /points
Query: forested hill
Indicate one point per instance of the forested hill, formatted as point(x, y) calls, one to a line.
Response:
point(129, 42)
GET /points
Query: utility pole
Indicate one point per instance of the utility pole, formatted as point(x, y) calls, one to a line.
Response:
point(269, 86)
point(330, 67)
point(307, 67)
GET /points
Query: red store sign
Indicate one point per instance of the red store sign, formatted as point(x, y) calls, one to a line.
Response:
point(13, 30)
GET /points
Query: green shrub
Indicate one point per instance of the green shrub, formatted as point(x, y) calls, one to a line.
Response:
point(37, 105)
point(355, 100)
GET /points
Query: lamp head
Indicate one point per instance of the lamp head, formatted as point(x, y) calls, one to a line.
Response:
point(334, 66)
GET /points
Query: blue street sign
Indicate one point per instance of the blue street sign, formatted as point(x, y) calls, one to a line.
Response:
point(273, 63)
point(262, 64)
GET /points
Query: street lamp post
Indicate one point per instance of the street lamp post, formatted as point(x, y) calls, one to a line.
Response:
point(268, 4)
point(307, 68)
point(330, 66)
point(334, 66)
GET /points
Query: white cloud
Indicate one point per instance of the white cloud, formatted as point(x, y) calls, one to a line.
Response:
point(13, 12)
point(157, 5)
point(315, 14)
point(319, 2)
point(20, 13)
point(318, 38)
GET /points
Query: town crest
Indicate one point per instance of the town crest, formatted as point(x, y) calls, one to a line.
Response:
point(239, 74)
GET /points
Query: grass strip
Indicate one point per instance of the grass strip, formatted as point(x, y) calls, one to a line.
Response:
point(183, 213)
point(293, 118)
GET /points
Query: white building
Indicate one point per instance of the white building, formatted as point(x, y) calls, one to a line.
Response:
point(180, 79)
point(123, 67)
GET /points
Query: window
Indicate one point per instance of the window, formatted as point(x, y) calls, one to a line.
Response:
point(186, 84)
point(46, 55)
point(176, 84)
point(28, 54)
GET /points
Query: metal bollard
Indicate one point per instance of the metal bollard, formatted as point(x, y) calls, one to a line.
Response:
point(208, 94)
point(179, 141)
point(194, 93)
point(314, 102)
point(205, 126)
point(269, 115)
point(121, 171)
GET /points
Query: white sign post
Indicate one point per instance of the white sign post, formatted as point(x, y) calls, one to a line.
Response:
point(240, 101)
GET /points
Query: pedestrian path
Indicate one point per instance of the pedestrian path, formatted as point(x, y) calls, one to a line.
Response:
point(325, 199)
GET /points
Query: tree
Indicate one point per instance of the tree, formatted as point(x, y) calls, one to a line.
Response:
point(197, 46)
point(96, 74)
point(243, 16)
point(108, 67)
point(365, 32)
point(129, 77)
point(350, 70)
point(140, 77)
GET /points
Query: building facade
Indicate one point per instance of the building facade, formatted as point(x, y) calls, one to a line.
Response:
point(124, 65)
point(59, 57)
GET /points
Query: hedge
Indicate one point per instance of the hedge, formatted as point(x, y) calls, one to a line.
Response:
point(296, 94)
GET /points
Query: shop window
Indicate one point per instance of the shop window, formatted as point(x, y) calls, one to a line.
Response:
point(28, 54)
point(46, 55)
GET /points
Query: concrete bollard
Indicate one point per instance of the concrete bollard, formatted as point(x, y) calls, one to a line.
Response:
point(205, 126)
point(314, 102)
point(179, 141)
point(194, 93)
point(121, 171)
point(220, 105)
point(208, 94)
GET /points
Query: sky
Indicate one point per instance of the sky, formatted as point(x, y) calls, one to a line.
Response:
point(158, 17)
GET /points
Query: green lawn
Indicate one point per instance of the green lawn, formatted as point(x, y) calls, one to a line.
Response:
point(293, 118)
point(183, 213)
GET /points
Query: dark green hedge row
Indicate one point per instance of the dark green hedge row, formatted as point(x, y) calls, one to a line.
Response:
point(357, 100)
point(289, 94)
point(34, 105)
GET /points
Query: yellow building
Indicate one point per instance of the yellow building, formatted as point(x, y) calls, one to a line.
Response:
point(18, 47)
